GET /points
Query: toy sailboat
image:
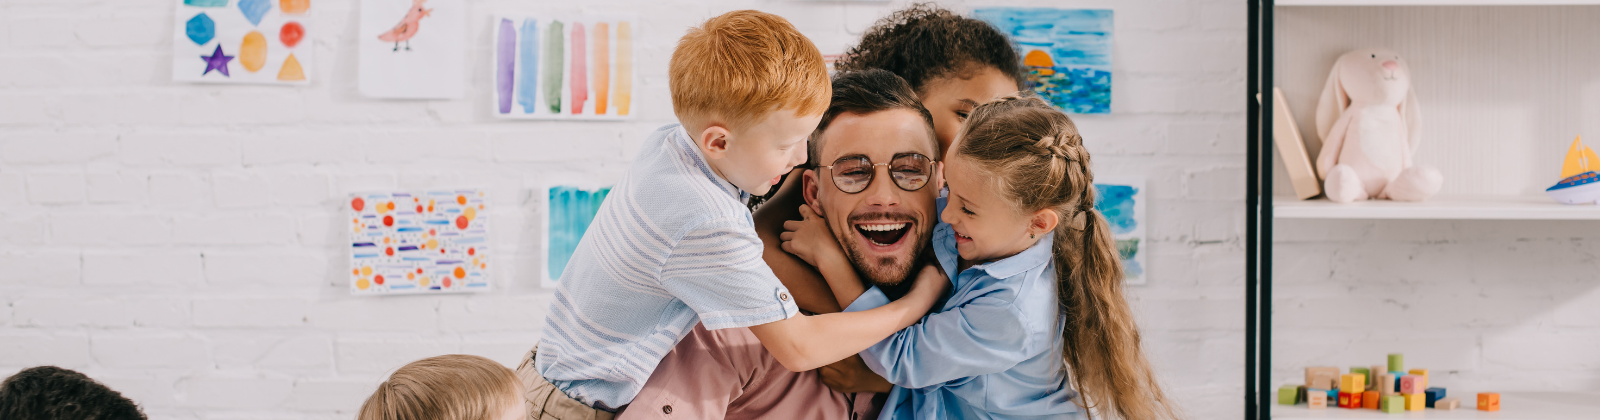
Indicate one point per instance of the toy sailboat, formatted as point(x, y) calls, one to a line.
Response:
point(1580, 176)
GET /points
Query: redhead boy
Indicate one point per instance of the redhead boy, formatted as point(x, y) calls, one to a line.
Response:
point(674, 245)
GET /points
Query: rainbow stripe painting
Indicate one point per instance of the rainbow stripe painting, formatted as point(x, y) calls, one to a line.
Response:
point(434, 241)
point(554, 68)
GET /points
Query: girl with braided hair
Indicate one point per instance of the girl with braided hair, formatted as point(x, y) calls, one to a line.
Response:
point(1037, 325)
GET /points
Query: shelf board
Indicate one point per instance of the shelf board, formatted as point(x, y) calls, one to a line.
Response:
point(1513, 406)
point(1457, 207)
point(1436, 2)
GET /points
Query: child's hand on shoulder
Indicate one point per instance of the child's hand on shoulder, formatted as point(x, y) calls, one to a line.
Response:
point(932, 278)
point(809, 238)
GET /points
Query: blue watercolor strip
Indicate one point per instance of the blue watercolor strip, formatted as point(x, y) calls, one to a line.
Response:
point(528, 75)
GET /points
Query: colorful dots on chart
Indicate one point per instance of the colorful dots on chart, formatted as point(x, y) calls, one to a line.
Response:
point(472, 251)
point(461, 199)
point(388, 251)
point(291, 71)
point(363, 284)
point(388, 220)
point(294, 6)
point(366, 271)
point(470, 213)
point(419, 208)
point(447, 282)
point(432, 243)
point(461, 222)
point(355, 272)
point(461, 272)
point(253, 51)
point(378, 279)
point(357, 203)
point(419, 271)
point(422, 282)
point(201, 29)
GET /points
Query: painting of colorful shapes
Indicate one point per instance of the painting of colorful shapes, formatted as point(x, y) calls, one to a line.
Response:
point(569, 211)
point(1066, 53)
point(242, 41)
point(423, 242)
point(558, 68)
point(1122, 202)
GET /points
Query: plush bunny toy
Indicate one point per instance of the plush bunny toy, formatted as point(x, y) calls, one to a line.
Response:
point(1369, 123)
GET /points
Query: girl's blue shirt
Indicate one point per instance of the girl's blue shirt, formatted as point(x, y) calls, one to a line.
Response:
point(992, 350)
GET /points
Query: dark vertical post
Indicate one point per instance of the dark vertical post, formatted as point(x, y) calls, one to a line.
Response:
point(1264, 275)
point(1252, 202)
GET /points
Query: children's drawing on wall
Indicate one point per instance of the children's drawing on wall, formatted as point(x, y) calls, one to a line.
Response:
point(563, 68)
point(1066, 53)
point(241, 41)
point(569, 212)
point(412, 49)
point(419, 242)
point(1121, 200)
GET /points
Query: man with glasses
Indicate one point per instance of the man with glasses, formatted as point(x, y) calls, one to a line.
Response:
point(876, 186)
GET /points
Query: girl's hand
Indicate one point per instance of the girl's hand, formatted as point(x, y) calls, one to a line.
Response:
point(809, 238)
point(931, 280)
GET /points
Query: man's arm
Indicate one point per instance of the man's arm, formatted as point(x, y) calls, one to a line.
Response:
point(810, 291)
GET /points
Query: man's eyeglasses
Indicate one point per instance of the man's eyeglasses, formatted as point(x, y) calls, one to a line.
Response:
point(852, 174)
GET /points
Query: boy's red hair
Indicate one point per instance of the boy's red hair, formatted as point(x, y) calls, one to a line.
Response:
point(743, 64)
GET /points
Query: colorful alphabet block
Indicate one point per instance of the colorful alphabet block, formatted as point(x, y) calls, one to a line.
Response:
point(1287, 394)
point(1369, 400)
point(1356, 399)
point(1489, 401)
point(1434, 394)
point(1394, 404)
point(1411, 384)
point(1397, 362)
point(1344, 400)
point(1365, 374)
point(1416, 402)
point(1322, 377)
point(1316, 398)
point(1353, 382)
point(1447, 403)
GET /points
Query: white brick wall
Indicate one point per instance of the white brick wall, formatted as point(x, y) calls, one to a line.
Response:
point(183, 243)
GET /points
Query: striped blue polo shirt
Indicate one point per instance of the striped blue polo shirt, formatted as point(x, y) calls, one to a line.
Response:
point(672, 245)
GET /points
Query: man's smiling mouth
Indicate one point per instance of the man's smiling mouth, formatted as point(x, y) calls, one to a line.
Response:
point(883, 234)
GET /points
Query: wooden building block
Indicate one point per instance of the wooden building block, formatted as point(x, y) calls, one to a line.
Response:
point(1397, 362)
point(1434, 394)
point(1316, 398)
point(1411, 384)
point(1416, 402)
point(1287, 393)
point(1369, 400)
point(1356, 398)
point(1300, 394)
point(1388, 384)
point(1394, 404)
point(1322, 377)
point(1423, 372)
point(1373, 374)
point(1353, 382)
point(1447, 403)
point(1344, 400)
point(1489, 401)
point(1365, 374)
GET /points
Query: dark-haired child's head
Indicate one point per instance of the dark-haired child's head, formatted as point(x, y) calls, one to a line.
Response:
point(952, 62)
point(448, 387)
point(52, 393)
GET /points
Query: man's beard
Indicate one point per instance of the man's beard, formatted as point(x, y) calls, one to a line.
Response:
point(887, 272)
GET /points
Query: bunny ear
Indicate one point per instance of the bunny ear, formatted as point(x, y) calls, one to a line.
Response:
point(1412, 116)
point(1332, 102)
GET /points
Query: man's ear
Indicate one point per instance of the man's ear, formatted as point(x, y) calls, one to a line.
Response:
point(1044, 221)
point(713, 141)
point(808, 190)
point(938, 176)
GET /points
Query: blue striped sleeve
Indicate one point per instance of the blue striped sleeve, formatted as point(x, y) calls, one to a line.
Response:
point(716, 269)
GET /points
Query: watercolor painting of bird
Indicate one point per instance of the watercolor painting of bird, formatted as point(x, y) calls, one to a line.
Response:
point(407, 27)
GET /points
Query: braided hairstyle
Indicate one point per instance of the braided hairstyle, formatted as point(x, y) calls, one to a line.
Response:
point(924, 42)
point(1035, 154)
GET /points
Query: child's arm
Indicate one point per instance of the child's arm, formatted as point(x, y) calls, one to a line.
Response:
point(804, 343)
point(810, 239)
point(983, 336)
point(805, 284)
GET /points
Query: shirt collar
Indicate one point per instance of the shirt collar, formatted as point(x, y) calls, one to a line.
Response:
point(1035, 256)
point(680, 138)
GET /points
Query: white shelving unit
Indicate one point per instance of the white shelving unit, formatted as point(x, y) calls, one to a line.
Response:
point(1457, 208)
point(1513, 406)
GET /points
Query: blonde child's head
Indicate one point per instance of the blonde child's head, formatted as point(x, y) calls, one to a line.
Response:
point(1017, 173)
point(749, 88)
point(449, 387)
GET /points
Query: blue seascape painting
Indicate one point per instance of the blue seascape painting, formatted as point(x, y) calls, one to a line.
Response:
point(571, 210)
point(1122, 204)
point(1066, 53)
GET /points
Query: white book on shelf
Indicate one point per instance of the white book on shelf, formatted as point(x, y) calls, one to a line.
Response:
point(1286, 135)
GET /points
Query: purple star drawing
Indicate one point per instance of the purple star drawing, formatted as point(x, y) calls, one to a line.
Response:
point(217, 61)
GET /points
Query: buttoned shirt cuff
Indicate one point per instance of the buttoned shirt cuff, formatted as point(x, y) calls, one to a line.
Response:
point(873, 298)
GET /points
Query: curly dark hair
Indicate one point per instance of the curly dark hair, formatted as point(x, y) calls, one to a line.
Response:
point(52, 393)
point(925, 42)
